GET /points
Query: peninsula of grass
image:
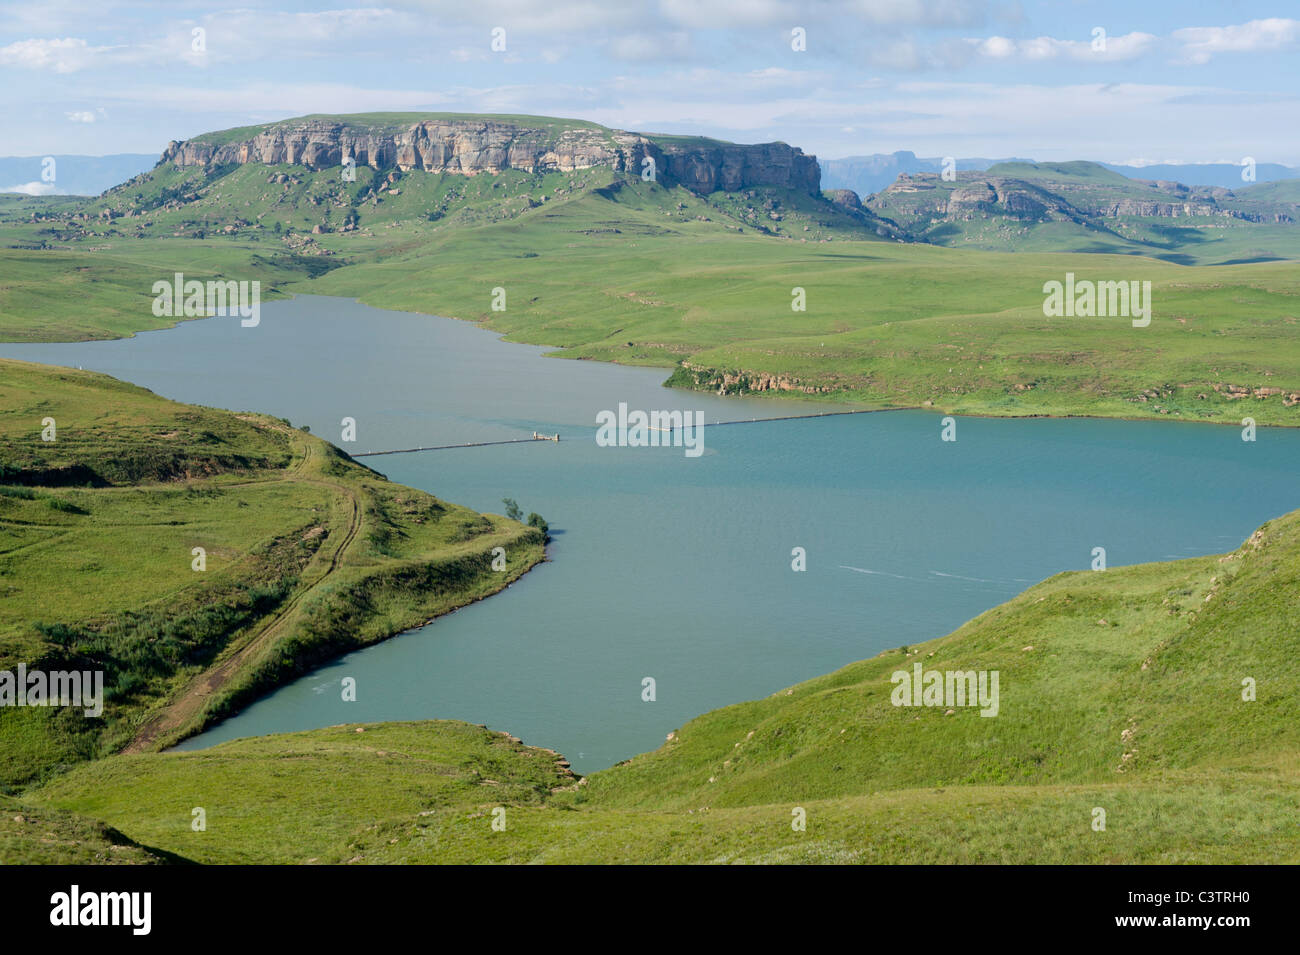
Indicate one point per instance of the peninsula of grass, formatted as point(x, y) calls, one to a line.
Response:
point(198, 558)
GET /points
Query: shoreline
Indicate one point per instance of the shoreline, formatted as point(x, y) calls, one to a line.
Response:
point(558, 351)
point(173, 746)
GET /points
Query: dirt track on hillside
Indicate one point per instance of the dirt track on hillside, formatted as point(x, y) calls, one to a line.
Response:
point(186, 707)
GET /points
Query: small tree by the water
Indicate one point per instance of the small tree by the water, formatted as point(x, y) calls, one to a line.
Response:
point(512, 509)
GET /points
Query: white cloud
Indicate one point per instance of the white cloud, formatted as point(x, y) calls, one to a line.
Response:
point(32, 189)
point(66, 16)
point(566, 16)
point(650, 46)
point(731, 14)
point(692, 85)
point(1104, 49)
point(928, 13)
point(1102, 121)
point(81, 116)
point(60, 55)
point(716, 14)
point(1256, 36)
point(268, 102)
point(556, 16)
point(1076, 121)
point(997, 47)
point(242, 35)
point(232, 35)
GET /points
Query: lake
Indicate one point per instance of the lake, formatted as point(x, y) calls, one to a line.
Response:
point(675, 567)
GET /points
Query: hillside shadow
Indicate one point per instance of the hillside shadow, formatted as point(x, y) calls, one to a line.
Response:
point(1254, 259)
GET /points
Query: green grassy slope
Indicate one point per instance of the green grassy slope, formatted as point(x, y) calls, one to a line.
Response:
point(30, 836)
point(1086, 208)
point(1120, 690)
point(1077, 171)
point(703, 285)
point(87, 292)
point(352, 773)
point(1128, 672)
point(307, 555)
point(886, 324)
point(117, 433)
point(1283, 191)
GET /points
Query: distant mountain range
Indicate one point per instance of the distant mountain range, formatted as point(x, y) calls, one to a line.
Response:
point(73, 175)
point(367, 174)
point(1225, 174)
point(1086, 207)
point(866, 175)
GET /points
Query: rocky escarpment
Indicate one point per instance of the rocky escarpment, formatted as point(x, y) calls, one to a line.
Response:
point(472, 146)
point(917, 198)
point(968, 197)
point(740, 382)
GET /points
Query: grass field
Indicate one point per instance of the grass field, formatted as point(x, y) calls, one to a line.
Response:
point(700, 286)
point(51, 837)
point(1120, 690)
point(305, 555)
point(886, 324)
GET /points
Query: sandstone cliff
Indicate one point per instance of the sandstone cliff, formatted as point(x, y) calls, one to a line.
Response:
point(472, 146)
point(924, 197)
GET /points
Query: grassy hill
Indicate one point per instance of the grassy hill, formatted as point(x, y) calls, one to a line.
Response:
point(306, 555)
point(1078, 171)
point(1284, 192)
point(703, 285)
point(1085, 207)
point(31, 836)
point(1120, 690)
point(351, 775)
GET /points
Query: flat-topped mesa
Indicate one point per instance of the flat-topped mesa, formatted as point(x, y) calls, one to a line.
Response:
point(472, 146)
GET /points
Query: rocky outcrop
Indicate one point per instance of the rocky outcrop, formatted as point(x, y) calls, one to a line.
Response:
point(1163, 210)
point(731, 167)
point(742, 382)
point(918, 197)
point(975, 196)
point(845, 198)
point(472, 146)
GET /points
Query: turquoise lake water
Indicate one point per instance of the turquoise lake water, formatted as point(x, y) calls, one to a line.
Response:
point(679, 568)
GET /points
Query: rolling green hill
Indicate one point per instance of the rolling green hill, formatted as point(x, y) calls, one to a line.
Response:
point(306, 555)
point(1079, 171)
point(704, 285)
point(1120, 691)
point(51, 837)
point(1084, 207)
point(1285, 192)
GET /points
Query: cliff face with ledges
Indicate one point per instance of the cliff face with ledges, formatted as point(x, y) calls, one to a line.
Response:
point(470, 147)
point(918, 200)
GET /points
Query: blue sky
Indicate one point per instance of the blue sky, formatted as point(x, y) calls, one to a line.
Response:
point(1174, 81)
